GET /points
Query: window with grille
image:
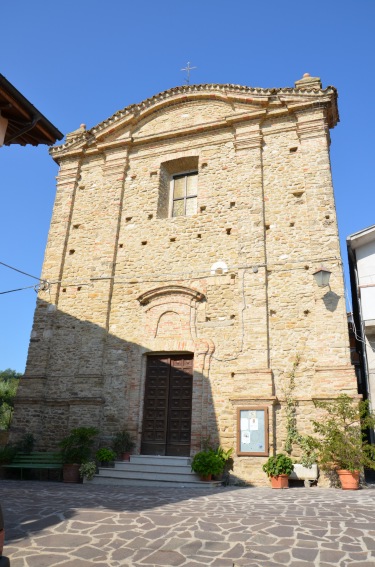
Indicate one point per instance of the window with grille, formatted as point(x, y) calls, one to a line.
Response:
point(184, 194)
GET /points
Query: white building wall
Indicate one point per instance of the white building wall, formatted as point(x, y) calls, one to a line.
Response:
point(366, 278)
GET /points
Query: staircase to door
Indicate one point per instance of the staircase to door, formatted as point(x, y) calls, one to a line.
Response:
point(167, 405)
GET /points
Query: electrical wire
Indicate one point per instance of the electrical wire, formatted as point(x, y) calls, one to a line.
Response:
point(18, 289)
point(205, 273)
point(21, 272)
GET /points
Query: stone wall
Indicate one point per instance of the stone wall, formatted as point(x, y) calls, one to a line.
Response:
point(126, 279)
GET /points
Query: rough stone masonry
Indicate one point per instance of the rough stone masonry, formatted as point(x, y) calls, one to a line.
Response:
point(188, 227)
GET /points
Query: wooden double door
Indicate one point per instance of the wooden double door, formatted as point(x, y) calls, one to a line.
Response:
point(167, 405)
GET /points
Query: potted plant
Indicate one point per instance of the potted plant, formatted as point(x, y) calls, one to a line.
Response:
point(26, 443)
point(75, 450)
point(105, 456)
point(207, 463)
point(87, 470)
point(278, 468)
point(122, 444)
point(226, 457)
point(342, 445)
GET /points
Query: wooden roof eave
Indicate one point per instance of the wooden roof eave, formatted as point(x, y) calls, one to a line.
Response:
point(20, 112)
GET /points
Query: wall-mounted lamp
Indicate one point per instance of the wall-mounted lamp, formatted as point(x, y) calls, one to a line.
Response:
point(322, 276)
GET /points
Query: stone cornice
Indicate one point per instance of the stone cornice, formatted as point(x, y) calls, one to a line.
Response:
point(281, 99)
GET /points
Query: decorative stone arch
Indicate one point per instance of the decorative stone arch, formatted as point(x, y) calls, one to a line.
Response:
point(168, 290)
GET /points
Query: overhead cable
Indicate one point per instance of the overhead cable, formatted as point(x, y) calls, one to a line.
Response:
point(21, 272)
point(18, 289)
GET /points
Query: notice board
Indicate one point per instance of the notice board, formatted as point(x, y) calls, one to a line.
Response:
point(252, 431)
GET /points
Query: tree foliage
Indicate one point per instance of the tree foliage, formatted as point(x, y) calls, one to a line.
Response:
point(9, 380)
point(342, 442)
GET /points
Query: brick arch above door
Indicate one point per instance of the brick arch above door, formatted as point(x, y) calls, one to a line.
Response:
point(168, 322)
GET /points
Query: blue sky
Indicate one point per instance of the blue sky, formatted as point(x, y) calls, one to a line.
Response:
point(79, 62)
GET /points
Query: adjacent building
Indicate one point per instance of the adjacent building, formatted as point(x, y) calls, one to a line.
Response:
point(361, 255)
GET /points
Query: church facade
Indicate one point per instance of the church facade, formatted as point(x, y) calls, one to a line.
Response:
point(178, 285)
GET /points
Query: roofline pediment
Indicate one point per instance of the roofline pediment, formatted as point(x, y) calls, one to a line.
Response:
point(259, 101)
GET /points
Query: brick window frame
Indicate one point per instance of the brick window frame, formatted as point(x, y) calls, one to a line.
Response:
point(169, 171)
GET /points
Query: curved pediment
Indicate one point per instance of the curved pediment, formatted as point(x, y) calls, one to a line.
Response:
point(169, 290)
point(206, 104)
point(187, 114)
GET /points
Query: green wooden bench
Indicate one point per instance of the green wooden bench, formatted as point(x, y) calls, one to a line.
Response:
point(36, 460)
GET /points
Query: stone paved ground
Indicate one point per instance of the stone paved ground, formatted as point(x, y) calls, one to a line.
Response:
point(81, 525)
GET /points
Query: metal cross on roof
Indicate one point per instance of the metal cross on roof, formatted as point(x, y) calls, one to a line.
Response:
point(188, 69)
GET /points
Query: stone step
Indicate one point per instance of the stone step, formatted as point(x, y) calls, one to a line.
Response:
point(99, 479)
point(157, 459)
point(155, 467)
point(152, 470)
point(149, 474)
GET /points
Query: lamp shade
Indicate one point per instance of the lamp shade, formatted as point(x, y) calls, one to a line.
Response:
point(322, 276)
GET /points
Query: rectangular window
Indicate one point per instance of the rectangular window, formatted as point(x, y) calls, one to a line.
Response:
point(184, 194)
point(252, 431)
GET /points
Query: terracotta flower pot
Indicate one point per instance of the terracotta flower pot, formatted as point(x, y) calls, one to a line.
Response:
point(206, 477)
point(71, 473)
point(280, 481)
point(125, 456)
point(349, 479)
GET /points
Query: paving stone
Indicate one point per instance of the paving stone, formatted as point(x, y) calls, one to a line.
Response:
point(308, 537)
point(74, 563)
point(63, 540)
point(164, 558)
point(122, 553)
point(351, 547)
point(207, 536)
point(44, 559)
point(236, 551)
point(191, 548)
point(305, 554)
point(239, 537)
point(88, 552)
point(369, 543)
point(216, 546)
point(358, 555)
point(331, 556)
point(281, 531)
point(263, 539)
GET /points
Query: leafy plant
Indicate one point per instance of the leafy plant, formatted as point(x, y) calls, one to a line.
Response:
point(122, 442)
point(9, 380)
point(88, 470)
point(105, 455)
point(26, 443)
point(77, 446)
point(278, 464)
point(309, 455)
point(226, 457)
point(208, 462)
point(342, 442)
point(7, 454)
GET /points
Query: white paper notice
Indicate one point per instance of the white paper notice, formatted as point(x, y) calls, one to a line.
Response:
point(254, 426)
point(244, 423)
point(245, 437)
